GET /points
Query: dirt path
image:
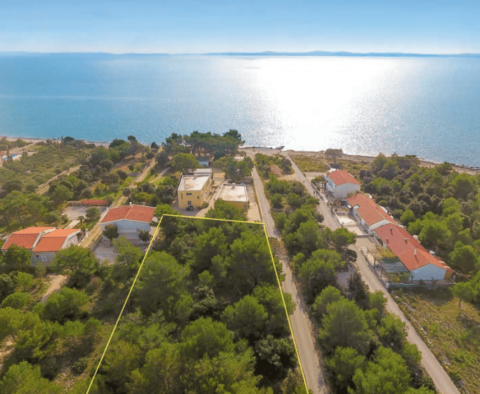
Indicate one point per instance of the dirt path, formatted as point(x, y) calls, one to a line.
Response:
point(56, 282)
point(44, 187)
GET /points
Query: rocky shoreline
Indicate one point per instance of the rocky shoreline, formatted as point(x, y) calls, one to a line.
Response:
point(471, 170)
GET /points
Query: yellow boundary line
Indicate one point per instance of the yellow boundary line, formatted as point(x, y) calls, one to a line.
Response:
point(286, 311)
point(123, 307)
point(141, 265)
point(220, 220)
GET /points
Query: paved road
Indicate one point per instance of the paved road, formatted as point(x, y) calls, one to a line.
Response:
point(299, 319)
point(442, 381)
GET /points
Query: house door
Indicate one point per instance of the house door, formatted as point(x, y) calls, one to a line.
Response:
point(44, 258)
point(189, 203)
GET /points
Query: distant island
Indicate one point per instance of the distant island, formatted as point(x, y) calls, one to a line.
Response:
point(265, 53)
point(342, 53)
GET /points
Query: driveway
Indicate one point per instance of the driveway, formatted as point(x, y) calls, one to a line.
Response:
point(104, 251)
point(74, 213)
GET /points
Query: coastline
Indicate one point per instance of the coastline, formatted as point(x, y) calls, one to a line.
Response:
point(461, 168)
point(472, 170)
point(34, 140)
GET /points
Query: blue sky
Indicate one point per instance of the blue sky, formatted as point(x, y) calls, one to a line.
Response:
point(187, 26)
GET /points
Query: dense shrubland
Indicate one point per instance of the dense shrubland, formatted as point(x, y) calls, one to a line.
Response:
point(205, 315)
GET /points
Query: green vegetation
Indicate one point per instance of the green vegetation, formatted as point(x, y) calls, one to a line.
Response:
point(234, 170)
point(205, 316)
point(310, 163)
point(27, 200)
point(438, 204)
point(442, 207)
point(450, 329)
point(264, 164)
point(365, 348)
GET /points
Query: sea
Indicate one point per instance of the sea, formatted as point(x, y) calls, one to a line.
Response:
point(425, 106)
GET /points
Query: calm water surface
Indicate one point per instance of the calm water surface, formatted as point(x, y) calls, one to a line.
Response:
point(424, 106)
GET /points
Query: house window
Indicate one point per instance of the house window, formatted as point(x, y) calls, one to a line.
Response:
point(198, 197)
point(189, 194)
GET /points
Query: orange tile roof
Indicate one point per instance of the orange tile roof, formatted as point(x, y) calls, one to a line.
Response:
point(137, 213)
point(403, 245)
point(341, 177)
point(25, 238)
point(34, 230)
point(53, 242)
point(368, 209)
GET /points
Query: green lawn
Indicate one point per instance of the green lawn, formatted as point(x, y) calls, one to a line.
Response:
point(452, 333)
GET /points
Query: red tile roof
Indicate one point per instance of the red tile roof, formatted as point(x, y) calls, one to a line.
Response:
point(137, 213)
point(403, 245)
point(25, 238)
point(341, 177)
point(34, 230)
point(368, 209)
point(53, 242)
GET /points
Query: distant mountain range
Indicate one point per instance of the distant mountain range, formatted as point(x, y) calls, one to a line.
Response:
point(266, 53)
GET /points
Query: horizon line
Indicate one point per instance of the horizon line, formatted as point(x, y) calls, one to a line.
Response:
point(261, 53)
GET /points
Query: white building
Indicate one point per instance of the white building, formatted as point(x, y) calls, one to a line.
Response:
point(129, 219)
point(415, 258)
point(234, 194)
point(341, 183)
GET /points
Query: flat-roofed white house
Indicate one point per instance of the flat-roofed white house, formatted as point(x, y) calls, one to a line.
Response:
point(341, 183)
point(195, 188)
point(234, 194)
point(129, 219)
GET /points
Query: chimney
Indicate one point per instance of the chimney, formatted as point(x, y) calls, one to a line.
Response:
point(391, 230)
point(415, 252)
point(387, 240)
point(406, 240)
point(130, 203)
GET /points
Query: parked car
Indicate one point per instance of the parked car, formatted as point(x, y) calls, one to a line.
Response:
point(190, 208)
